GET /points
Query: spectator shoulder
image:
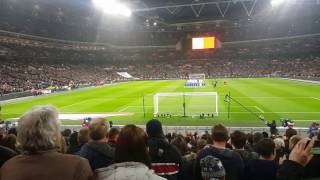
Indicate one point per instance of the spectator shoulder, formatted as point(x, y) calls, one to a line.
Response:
point(290, 170)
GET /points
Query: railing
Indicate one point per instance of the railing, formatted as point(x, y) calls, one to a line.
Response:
point(202, 129)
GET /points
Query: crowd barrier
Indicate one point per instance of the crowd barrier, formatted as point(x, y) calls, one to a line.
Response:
point(202, 129)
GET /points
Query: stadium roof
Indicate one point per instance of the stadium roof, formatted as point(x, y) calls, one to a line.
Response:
point(80, 20)
point(195, 13)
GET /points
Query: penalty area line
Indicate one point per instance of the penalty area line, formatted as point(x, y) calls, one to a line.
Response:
point(127, 107)
point(123, 109)
point(259, 109)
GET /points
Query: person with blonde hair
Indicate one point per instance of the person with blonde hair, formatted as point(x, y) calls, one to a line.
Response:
point(293, 141)
point(39, 137)
point(97, 150)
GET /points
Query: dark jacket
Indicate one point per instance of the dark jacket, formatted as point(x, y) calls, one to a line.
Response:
point(273, 128)
point(186, 171)
point(312, 168)
point(231, 161)
point(74, 150)
point(99, 154)
point(112, 143)
point(261, 169)
point(5, 154)
point(166, 160)
point(290, 170)
point(246, 156)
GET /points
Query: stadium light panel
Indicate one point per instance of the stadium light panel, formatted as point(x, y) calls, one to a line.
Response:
point(113, 7)
point(275, 3)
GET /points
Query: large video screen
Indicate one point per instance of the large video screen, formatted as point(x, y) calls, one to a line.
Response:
point(203, 43)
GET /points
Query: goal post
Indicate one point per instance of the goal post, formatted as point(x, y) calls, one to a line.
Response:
point(186, 103)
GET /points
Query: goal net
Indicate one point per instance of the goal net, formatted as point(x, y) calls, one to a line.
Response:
point(196, 80)
point(186, 103)
point(197, 77)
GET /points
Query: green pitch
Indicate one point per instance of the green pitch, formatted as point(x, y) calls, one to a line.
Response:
point(272, 98)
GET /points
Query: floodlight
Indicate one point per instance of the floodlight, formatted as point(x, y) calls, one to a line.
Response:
point(113, 7)
point(275, 3)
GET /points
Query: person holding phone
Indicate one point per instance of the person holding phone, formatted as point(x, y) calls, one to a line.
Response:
point(300, 156)
point(311, 170)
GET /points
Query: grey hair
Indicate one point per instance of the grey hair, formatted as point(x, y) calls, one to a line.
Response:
point(39, 129)
point(279, 143)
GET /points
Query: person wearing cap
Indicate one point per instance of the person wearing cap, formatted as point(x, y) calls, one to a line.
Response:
point(212, 168)
point(166, 160)
point(231, 160)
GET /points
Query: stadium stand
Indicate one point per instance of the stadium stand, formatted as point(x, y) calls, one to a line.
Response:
point(55, 45)
point(26, 66)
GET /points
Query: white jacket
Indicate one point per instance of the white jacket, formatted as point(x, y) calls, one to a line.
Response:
point(127, 171)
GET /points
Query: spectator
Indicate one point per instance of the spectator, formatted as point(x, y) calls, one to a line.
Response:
point(83, 136)
point(10, 142)
point(264, 168)
point(201, 143)
point(311, 171)
point(273, 128)
point(113, 136)
point(66, 134)
point(5, 154)
point(63, 145)
point(299, 157)
point(188, 158)
point(231, 160)
point(249, 145)
point(293, 141)
point(313, 129)
point(97, 150)
point(38, 132)
point(265, 134)
point(238, 141)
point(288, 134)
point(255, 139)
point(279, 145)
point(13, 130)
point(166, 160)
point(73, 143)
point(77, 140)
point(131, 158)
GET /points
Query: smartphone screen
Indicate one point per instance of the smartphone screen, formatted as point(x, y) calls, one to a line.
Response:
point(316, 148)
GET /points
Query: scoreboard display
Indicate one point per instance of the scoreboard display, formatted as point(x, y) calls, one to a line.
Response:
point(203, 43)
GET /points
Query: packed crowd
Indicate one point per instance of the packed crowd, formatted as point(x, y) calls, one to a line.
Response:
point(36, 149)
point(34, 64)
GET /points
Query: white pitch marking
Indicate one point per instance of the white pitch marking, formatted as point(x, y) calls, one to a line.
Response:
point(127, 107)
point(277, 112)
point(123, 109)
point(259, 109)
point(316, 98)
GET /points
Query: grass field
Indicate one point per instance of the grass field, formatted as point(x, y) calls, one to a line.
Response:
point(272, 98)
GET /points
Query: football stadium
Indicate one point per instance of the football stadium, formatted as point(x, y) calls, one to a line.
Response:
point(160, 89)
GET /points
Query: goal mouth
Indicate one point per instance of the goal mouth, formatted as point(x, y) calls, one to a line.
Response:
point(186, 104)
point(196, 81)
